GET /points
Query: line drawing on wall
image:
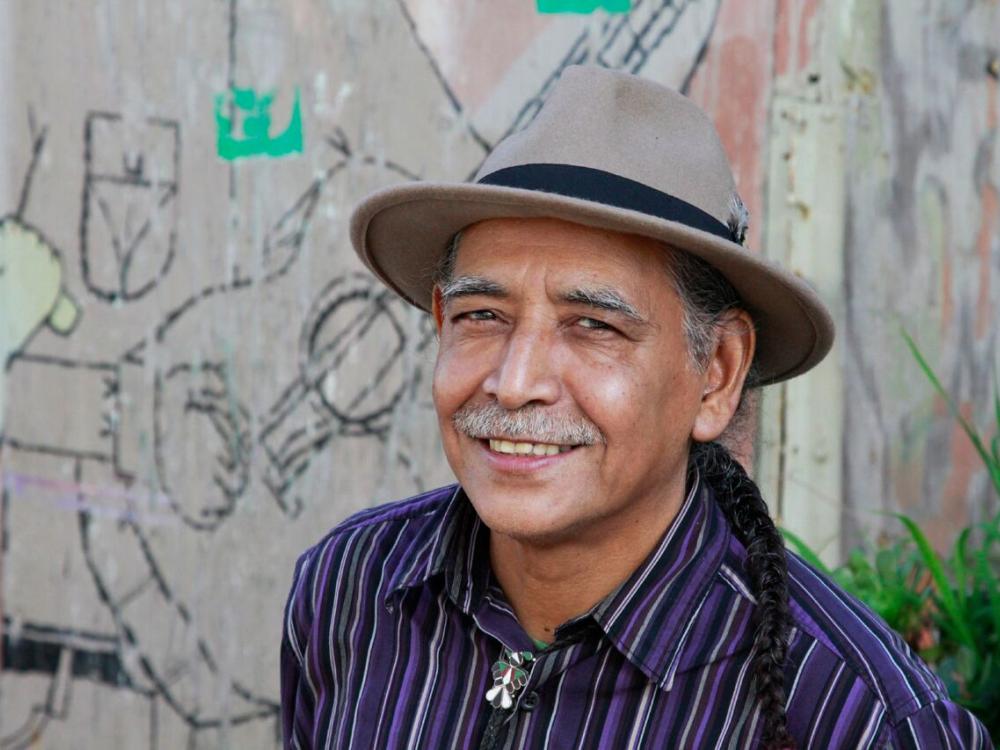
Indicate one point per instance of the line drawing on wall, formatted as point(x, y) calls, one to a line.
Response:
point(621, 42)
point(128, 232)
point(31, 291)
point(128, 220)
point(353, 320)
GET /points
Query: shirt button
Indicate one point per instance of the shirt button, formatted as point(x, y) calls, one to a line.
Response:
point(529, 701)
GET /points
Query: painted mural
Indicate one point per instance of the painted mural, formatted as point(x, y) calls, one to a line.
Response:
point(198, 379)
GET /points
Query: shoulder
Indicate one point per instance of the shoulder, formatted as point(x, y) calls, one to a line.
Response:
point(366, 550)
point(848, 674)
point(850, 679)
point(863, 642)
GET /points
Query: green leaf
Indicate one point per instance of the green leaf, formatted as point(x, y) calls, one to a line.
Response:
point(969, 429)
point(991, 582)
point(996, 398)
point(958, 562)
point(945, 593)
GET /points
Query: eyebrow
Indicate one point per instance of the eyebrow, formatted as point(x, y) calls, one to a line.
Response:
point(467, 286)
point(601, 298)
point(604, 298)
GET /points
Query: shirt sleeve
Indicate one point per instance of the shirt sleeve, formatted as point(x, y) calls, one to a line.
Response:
point(941, 724)
point(297, 697)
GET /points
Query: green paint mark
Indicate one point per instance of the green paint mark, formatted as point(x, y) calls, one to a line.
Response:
point(254, 111)
point(583, 6)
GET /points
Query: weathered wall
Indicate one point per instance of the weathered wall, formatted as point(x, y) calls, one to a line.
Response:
point(922, 250)
point(882, 189)
point(200, 380)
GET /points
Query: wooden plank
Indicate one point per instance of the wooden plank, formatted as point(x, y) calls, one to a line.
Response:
point(800, 454)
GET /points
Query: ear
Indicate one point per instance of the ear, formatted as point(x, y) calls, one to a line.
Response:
point(437, 308)
point(724, 377)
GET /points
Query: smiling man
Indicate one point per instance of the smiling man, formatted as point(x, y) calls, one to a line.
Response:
point(604, 574)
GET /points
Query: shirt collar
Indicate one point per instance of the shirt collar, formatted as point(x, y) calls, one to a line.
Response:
point(450, 542)
point(647, 618)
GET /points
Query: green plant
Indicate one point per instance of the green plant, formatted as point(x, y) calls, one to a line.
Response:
point(991, 457)
point(947, 607)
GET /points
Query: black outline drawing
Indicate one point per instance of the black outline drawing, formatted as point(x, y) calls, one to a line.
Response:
point(619, 45)
point(127, 241)
point(38, 136)
point(67, 654)
point(300, 424)
point(210, 399)
point(162, 679)
point(306, 416)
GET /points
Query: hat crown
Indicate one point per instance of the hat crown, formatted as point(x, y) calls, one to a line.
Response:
point(628, 126)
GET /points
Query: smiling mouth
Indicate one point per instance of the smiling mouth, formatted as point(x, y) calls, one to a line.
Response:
point(513, 448)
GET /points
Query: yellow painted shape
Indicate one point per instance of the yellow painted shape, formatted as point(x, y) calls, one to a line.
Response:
point(30, 281)
point(64, 314)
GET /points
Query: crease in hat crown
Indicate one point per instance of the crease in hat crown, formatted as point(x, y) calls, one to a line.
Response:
point(641, 146)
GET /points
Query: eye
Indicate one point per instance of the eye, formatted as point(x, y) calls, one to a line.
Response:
point(594, 324)
point(475, 315)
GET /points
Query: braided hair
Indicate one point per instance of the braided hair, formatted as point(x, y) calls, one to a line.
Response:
point(746, 511)
point(706, 298)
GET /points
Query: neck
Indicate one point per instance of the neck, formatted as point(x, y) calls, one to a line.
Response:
point(552, 582)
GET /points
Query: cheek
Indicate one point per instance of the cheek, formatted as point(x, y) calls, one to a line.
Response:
point(608, 393)
point(624, 398)
point(457, 375)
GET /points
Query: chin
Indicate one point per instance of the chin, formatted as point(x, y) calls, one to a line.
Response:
point(523, 515)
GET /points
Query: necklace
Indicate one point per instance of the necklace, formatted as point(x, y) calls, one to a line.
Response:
point(510, 674)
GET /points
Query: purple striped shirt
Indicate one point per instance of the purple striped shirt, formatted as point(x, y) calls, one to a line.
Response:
point(395, 619)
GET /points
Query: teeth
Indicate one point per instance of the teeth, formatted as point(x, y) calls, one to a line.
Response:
point(527, 449)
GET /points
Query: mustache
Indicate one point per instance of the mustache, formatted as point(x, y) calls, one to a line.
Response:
point(534, 424)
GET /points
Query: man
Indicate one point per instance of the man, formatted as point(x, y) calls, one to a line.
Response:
point(604, 575)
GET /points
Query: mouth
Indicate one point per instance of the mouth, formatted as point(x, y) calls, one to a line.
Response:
point(525, 448)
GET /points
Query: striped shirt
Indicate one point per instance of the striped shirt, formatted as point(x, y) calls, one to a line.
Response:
point(395, 619)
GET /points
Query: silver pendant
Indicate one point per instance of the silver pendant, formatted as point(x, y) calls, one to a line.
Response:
point(510, 674)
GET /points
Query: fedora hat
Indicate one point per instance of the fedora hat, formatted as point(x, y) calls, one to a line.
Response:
point(613, 151)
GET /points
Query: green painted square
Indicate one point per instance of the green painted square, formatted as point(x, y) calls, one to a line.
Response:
point(583, 6)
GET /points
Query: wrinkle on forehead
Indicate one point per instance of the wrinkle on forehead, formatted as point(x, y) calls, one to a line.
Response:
point(572, 262)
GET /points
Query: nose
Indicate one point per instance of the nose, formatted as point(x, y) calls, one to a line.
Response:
point(526, 373)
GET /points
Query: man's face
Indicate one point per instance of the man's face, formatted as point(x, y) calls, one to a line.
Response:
point(579, 330)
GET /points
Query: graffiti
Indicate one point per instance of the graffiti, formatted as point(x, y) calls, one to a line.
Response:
point(128, 223)
point(32, 294)
point(626, 43)
point(144, 607)
point(354, 321)
point(583, 6)
point(623, 41)
point(63, 654)
point(266, 386)
point(254, 110)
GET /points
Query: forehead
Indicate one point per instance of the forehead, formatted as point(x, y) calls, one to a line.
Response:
point(564, 251)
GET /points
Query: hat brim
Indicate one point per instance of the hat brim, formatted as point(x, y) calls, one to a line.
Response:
point(401, 232)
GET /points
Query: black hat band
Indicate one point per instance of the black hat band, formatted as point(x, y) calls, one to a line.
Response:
point(598, 186)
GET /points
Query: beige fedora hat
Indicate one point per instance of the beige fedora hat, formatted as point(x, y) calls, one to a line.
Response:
point(607, 150)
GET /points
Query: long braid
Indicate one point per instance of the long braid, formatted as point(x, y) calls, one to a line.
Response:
point(740, 500)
